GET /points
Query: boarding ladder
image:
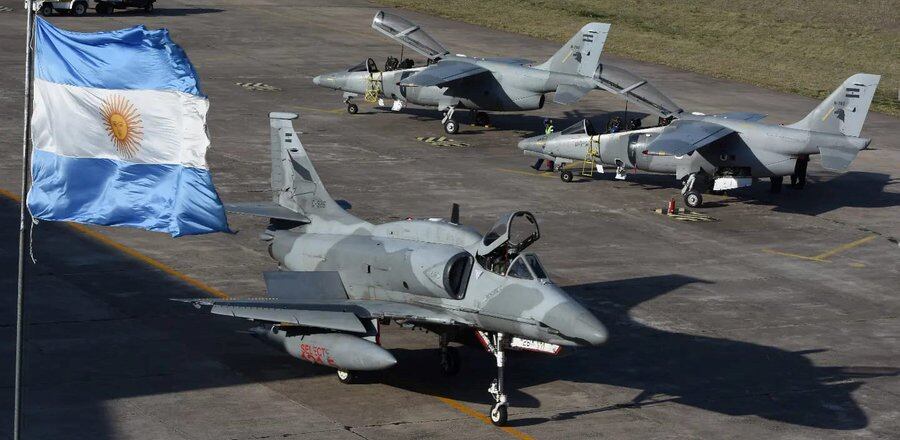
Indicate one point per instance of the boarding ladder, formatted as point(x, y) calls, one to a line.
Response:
point(373, 87)
point(588, 166)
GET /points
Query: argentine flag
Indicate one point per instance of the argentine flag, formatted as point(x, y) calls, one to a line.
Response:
point(119, 133)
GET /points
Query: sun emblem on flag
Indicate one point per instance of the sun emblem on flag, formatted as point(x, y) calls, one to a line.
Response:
point(123, 125)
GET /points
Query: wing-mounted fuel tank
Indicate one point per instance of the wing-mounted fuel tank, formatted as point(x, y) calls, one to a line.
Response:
point(338, 350)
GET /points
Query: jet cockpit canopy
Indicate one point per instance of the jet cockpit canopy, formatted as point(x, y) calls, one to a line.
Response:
point(583, 127)
point(510, 235)
point(623, 82)
point(408, 34)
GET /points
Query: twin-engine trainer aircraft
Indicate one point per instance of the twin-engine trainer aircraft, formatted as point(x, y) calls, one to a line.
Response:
point(451, 82)
point(342, 278)
point(725, 151)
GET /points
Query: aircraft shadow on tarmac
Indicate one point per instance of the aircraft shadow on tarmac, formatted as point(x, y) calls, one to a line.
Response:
point(854, 189)
point(101, 329)
point(532, 123)
point(715, 374)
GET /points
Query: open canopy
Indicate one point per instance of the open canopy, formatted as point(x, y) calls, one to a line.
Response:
point(408, 34)
point(635, 88)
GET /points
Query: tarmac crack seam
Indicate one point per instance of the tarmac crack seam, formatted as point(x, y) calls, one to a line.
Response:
point(168, 270)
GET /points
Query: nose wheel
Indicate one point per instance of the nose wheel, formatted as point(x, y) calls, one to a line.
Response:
point(499, 410)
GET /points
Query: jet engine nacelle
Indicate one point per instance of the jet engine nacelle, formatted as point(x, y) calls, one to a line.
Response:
point(338, 350)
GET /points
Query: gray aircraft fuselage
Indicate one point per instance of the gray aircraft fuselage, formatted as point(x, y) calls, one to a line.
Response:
point(407, 262)
point(513, 86)
point(756, 149)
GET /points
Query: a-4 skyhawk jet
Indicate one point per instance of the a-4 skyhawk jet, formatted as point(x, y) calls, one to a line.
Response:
point(724, 151)
point(450, 82)
point(342, 278)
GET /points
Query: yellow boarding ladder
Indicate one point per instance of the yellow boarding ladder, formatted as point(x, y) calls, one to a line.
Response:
point(590, 158)
point(373, 87)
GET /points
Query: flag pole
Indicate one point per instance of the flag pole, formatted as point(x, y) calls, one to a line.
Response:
point(24, 219)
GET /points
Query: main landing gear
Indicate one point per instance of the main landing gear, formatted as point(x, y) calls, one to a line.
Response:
point(450, 361)
point(450, 124)
point(691, 192)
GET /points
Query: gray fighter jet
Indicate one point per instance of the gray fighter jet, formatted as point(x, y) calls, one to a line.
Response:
point(724, 151)
point(451, 82)
point(342, 278)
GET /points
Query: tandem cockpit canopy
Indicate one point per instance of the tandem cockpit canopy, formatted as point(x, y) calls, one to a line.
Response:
point(635, 88)
point(509, 236)
point(408, 34)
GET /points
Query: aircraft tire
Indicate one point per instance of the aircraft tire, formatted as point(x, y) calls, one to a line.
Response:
point(499, 415)
point(451, 126)
point(79, 9)
point(46, 10)
point(450, 362)
point(693, 198)
point(346, 376)
point(352, 109)
point(566, 176)
point(102, 8)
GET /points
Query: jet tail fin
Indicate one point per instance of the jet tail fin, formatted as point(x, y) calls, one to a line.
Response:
point(581, 54)
point(298, 194)
point(845, 110)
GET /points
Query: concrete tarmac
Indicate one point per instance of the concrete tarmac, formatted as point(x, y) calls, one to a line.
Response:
point(779, 319)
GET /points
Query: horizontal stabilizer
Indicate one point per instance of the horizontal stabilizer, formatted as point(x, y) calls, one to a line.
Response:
point(442, 74)
point(305, 286)
point(266, 209)
point(568, 94)
point(837, 159)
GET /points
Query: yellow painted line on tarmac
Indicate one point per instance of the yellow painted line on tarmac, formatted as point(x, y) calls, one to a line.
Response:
point(471, 412)
point(845, 247)
point(527, 173)
point(131, 252)
point(823, 257)
point(169, 270)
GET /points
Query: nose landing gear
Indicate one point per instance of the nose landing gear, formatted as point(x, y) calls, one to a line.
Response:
point(499, 410)
point(351, 107)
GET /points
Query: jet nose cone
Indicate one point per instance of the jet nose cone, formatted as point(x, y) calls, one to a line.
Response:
point(526, 145)
point(317, 80)
point(576, 325)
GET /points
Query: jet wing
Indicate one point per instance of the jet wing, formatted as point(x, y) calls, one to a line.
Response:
point(318, 299)
point(442, 74)
point(684, 136)
point(342, 315)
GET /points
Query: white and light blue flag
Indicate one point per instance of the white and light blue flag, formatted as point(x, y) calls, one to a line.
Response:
point(119, 133)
